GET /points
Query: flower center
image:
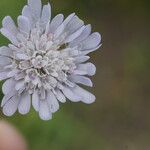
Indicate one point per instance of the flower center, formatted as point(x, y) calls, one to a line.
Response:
point(48, 62)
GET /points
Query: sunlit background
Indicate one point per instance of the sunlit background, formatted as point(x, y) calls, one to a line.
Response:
point(120, 117)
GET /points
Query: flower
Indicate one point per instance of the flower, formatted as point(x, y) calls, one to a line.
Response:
point(46, 60)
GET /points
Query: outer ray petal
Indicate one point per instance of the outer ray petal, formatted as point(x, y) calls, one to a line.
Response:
point(60, 96)
point(44, 111)
point(86, 96)
point(35, 100)
point(9, 24)
point(46, 14)
point(24, 24)
point(88, 68)
point(24, 103)
point(56, 22)
point(11, 106)
point(52, 102)
point(6, 51)
point(81, 80)
point(70, 95)
point(91, 42)
point(35, 7)
point(8, 86)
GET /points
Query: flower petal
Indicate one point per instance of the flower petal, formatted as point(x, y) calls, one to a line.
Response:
point(52, 102)
point(44, 111)
point(19, 85)
point(60, 96)
point(56, 22)
point(9, 35)
point(81, 59)
point(74, 24)
point(3, 75)
point(35, 100)
point(13, 72)
point(24, 24)
point(6, 51)
point(9, 24)
point(46, 14)
point(70, 95)
point(85, 52)
point(82, 37)
point(35, 6)
point(74, 35)
point(27, 13)
point(81, 80)
point(4, 61)
point(59, 31)
point(24, 103)
point(86, 96)
point(8, 85)
point(89, 68)
point(7, 97)
point(91, 42)
point(68, 19)
point(11, 106)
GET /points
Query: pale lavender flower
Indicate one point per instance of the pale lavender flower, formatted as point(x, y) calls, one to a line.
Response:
point(46, 60)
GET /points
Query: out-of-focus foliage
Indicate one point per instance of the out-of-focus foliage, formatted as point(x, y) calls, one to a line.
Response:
point(120, 118)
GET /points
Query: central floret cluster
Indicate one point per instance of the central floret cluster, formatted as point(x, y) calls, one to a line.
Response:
point(45, 62)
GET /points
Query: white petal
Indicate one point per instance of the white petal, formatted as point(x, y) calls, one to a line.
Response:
point(35, 6)
point(81, 59)
point(74, 35)
point(85, 52)
point(52, 102)
point(27, 13)
point(91, 42)
point(22, 37)
point(79, 72)
point(70, 95)
point(9, 24)
point(20, 76)
point(68, 19)
point(13, 72)
point(59, 31)
point(82, 37)
point(8, 96)
point(42, 93)
point(11, 106)
point(60, 96)
point(81, 80)
point(6, 51)
point(56, 22)
point(74, 24)
point(8, 86)
point(9, 35)
point(13, 47)
point(44, 111)
point(35, 100)
point(86, 96)
point(3, 75)
point(19, 85)
point(24, 103)
point(89, 68)
point(46, 14)
point(4, 61)
point(24, 24)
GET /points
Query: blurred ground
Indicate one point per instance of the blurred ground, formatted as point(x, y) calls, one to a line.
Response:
point(119, 120)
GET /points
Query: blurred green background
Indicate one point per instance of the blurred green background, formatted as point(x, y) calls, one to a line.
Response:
point(120, 117)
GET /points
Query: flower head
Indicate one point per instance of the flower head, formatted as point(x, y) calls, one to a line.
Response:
point(46, 60)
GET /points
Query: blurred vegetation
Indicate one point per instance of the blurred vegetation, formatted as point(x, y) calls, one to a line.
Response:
point(119, 120)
